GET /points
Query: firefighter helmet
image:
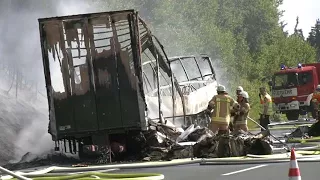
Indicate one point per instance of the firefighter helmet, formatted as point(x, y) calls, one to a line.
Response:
point(239, 88)
point(221, 88)
point(263, 88)
point(244, 94)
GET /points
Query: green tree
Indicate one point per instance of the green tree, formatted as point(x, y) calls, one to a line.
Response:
point(297, 31)
point(244, 38)
point(314, 37)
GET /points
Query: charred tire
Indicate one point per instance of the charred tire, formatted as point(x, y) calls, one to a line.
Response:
point(81, 153)
point(292, 115)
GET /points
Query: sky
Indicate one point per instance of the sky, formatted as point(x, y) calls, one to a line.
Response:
point(307, 10)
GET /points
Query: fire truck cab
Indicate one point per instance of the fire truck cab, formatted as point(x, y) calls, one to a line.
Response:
point(292, 89)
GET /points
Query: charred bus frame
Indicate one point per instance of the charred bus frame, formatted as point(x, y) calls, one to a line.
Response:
point(193, 73)
point(101, 89)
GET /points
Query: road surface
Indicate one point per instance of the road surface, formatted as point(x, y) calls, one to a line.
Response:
point(275, 171)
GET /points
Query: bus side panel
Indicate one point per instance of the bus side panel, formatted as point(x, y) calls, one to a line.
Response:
point(132, 110)
point(85, 112)
point(64, 116)
point(128, 94)
point(107, 93)
point(84, 102)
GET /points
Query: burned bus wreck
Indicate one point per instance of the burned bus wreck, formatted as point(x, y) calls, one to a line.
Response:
point(197, 81)
point(112, 91)
point(94, 80)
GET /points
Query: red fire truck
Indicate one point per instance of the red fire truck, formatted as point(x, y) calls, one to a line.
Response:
point(292, 89)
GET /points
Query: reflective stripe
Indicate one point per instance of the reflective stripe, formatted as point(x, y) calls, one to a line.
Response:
point(221, 119)
point(223, 100)
point(218, 107)
point(244, 122)
point(216, 117)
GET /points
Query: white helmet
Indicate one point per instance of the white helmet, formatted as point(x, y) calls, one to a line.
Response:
point(221, 88)
point(244, 94)
point(239, 88)
point(318, 87)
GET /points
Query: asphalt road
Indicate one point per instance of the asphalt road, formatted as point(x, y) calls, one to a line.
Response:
point(276, 171)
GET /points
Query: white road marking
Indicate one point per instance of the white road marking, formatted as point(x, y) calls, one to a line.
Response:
point(243, 170)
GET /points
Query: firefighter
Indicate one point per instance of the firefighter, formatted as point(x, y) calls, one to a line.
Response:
point(316, 101)
point(265, 108)
point(234, 112)
point(238, 91)
point(221, 104)
point(240, 121)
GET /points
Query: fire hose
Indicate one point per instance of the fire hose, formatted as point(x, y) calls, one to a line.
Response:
point(99, 175)
point(78, 173)
point(87, 176)
point(285, 145)
point(64, 172)
point(91, 172)
point(73, 173)
point(13, 174)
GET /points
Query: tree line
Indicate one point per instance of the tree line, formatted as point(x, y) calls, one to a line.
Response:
point(245, 39)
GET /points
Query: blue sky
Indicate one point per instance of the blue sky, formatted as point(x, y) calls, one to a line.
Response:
point(307, 10)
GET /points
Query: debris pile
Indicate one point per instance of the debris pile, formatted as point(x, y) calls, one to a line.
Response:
point(306, 131)
point(53, 159)
point(314, 130)
point(167, 143)
point(301, 131)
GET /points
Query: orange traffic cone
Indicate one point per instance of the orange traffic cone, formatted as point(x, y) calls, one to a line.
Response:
point(294, 171)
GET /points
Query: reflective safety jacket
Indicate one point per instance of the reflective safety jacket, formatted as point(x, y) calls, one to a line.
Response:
point(265, 104)
point(316, 98)
point(244, 112)
point(222, 105)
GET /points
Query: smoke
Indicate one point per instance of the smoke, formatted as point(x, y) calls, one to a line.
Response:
point(24, 121)
point(221, 75)
point(20, 52)
point(22, 45)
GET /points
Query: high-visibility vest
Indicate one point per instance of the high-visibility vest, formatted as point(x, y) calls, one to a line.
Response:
point(316, 98)
point(262, 104)
point(222, 106)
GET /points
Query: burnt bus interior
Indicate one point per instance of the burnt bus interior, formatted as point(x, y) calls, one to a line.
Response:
point(194, 74)
point(94, 79)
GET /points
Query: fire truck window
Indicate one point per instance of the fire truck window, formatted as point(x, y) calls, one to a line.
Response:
point(280, 80)
point(285, 80)
point(305, 78)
